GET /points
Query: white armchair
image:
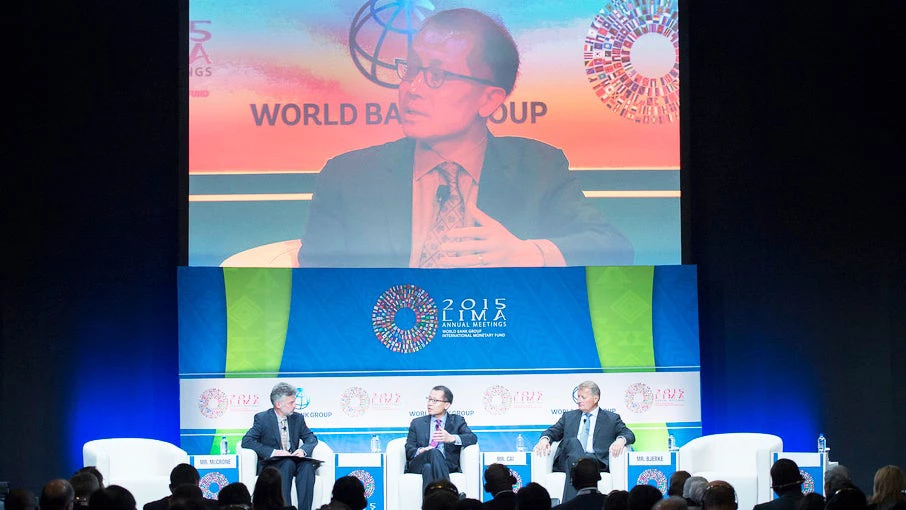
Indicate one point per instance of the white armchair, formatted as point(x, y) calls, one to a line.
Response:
point(742, 459)
point(324, 475)
point(543, 473)
point(140, 465)
point(404, 490)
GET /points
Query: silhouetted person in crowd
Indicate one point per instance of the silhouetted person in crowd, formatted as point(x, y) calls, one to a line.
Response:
point(533, 496)
point(787, 483)
point(498, 482)
point(114, 497)
point(888, 487)
point(57, 494)
point(836, 478)
point(643, 497)
point(693, 490)
point(21, 499)
point(847, 498)
point(811, 501)
point(188, 496)
point(671, 503)
point(469, 504)
point(719, 495)
point(439, 499)
point(347, 492)
point(83, 483)
point(585, 477)
point(677, 481)
point(268, 492)
point(236, 496)
point(181, 474)
point(95, 471)
point(617, 500)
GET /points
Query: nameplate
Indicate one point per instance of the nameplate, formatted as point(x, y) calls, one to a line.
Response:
point(359, 459)
point(507, 458)
point(649, 458)
point(214, 461)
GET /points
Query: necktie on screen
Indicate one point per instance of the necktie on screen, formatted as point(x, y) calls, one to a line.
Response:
point(586, 428)
point(284, 434)
point(451, 214)
point(434, 442)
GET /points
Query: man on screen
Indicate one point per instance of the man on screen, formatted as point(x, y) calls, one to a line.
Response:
point(275, 436)
point(436, 440)
point(588, 431)
point(450, 194)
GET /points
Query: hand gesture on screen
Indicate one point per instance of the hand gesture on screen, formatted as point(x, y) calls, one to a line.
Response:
point(488, 243)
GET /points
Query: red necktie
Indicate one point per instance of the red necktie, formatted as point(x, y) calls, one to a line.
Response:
point(451, 214)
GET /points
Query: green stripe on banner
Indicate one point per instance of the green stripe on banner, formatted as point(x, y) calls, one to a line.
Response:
point(257, 307)
point(620, 306)
point(619, 301)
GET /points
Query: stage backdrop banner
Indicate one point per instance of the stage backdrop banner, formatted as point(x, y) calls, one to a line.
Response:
point(278, 88)
point(363, 347)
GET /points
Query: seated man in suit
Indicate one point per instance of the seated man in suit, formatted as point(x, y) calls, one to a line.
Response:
point(585, 432)
point(498, 482)
point(275, 436)
point(585, 479)
point(787, 483)
point(450, 194)
point(436, 440)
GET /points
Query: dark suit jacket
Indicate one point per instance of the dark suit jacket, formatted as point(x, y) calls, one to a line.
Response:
point(504, 501)
point(788, 501)
point(361, 213)
point(608, 426)
point(164, 504)
point(590, 501)
point(420, 436)
point(264, 436)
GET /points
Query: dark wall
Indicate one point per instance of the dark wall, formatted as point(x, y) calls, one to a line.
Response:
point(789, 134)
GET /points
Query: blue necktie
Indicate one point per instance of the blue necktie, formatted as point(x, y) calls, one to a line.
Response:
point(586, 428)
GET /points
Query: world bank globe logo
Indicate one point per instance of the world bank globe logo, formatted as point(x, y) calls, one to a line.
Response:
point(381, 31)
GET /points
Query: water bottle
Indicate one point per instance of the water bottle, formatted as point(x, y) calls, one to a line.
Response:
point(224, 446)
point(822, 443)
point(375, 444)
point(520, 443)
point(671, 442)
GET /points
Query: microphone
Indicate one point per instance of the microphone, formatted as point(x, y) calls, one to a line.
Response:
point(443, 193)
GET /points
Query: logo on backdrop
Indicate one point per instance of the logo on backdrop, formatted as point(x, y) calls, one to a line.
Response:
point(640, 397)
point(653, 477)
point(200, 63)
point(631, 56)
point(518, 484)
point(386, 400)
point(366, 479)
point(379, 35)
point(302, 400)
point(404, 318)
point(497, 399)
point(211, 483)
point(355, 401)
point(213, 402)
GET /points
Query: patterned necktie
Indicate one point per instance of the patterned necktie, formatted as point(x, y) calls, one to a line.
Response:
point(284, 434)
point(434, 442)
point(451, 214)
point(586, 428)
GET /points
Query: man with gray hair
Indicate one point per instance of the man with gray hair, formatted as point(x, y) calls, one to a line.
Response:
point(588, 431)
point(693, 490)
point(276, 435)
point(835, 478)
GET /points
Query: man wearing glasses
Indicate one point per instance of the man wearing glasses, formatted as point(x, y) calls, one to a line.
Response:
point(450, 194)
point(435, 441)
